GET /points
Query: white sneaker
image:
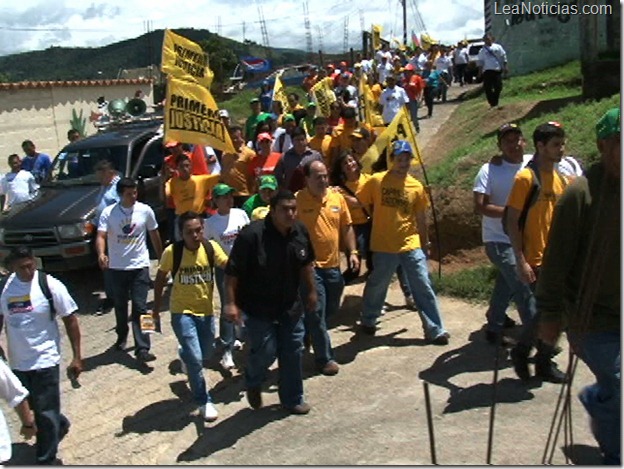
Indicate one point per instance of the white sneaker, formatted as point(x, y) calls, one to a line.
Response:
point(237, 345)
point(227, 361)
point(209, 412)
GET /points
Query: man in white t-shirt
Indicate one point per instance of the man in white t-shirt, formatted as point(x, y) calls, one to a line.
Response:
point(392, 98)
point(17, 185)
point(122, 228)
point(492, 63)
point(460, 62)
point(34, 344)
point(491, 189)
point(384, 69)
point(223, 227)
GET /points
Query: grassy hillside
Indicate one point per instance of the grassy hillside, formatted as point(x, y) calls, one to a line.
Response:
point(529, 100)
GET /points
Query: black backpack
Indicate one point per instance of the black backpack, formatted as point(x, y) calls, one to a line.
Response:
point(531, 197)
point(45, 289)
point(178, 248)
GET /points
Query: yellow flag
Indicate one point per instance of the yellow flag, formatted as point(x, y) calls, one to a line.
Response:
point(368, 105)
point(376, 33)
point(192, 116)
point(323, 95)
point(279, 93)
point(399, 129)
point(427, 41)
point(185, 59)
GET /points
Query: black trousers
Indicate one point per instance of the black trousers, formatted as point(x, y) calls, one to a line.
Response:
point(45, 401)
point(493, 85)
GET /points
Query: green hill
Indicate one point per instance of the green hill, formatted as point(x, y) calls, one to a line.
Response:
point(81, 63)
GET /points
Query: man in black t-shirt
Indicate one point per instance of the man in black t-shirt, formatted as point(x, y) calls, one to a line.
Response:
point(268, 261)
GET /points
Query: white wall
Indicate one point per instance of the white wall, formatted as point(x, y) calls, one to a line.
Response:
point(42, 111)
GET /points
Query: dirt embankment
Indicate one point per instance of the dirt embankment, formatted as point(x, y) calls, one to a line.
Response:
point(458, 226)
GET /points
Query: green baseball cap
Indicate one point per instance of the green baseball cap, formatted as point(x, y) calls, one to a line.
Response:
point(289, 117)
point(254, 100)
point(268, 181)
point(221, 189)
point(609, 124)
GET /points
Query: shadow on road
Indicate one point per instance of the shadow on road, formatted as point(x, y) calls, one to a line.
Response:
point(583, 455)
point(111, 356)
point(474, 357)
point(227, 432)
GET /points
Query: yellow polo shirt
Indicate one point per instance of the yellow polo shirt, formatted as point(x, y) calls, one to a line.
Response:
point(357, 213)
point(395, 201)
point(324, 220)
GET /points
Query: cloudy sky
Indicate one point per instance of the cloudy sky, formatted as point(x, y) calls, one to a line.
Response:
point(27, 25)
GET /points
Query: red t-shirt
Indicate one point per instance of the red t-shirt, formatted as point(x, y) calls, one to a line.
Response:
point(414, 87)
point(260, 165)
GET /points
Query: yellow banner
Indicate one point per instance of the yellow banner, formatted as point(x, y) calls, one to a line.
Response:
point(368, 105)
point(323, 95)
point(376, 33)
point(400, 128)
point(427, 41)
point(185, 59)
point(279, 93)
point(192, 116)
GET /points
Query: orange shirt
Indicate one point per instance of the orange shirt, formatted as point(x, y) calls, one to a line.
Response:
point(189, 195)
point(261, 165)
point(235, 170)
point(324, 221)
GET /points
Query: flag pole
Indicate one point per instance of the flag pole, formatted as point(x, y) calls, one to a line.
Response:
point(428, 189)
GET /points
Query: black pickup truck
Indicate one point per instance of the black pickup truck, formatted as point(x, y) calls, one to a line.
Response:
point(59, 223)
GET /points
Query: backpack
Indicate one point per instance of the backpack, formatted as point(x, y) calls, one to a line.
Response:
point(43, 285)
point(532, 197)
point(178, 249)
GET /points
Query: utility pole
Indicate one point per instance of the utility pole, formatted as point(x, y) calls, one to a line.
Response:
point(346, 35)
point(320, 37)
point(265, 34)
point(403, 2)
point(243, 32)
point(306, 20)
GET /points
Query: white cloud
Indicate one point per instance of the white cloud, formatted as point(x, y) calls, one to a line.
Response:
point(31, 24)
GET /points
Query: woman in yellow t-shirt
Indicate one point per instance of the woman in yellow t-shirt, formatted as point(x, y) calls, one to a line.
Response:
point(348, 178)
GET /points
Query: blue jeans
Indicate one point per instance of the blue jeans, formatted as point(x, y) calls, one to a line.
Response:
point(226, 328)
point(45, 401)
point(329, 287)
point(130, 285)
point(195, 335)
point(601, 351)
point(509, 286)
point(281, 339)
point(414, 265)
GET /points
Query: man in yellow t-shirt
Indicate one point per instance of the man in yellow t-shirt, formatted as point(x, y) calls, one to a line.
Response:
point(321, 141)
point(191, 306)
point(235, 168)
point(188, 191)
point(326, 216)
point(399, 237)
point(529, 242)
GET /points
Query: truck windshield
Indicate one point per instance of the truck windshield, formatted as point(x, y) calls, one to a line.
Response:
point(78, 167)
